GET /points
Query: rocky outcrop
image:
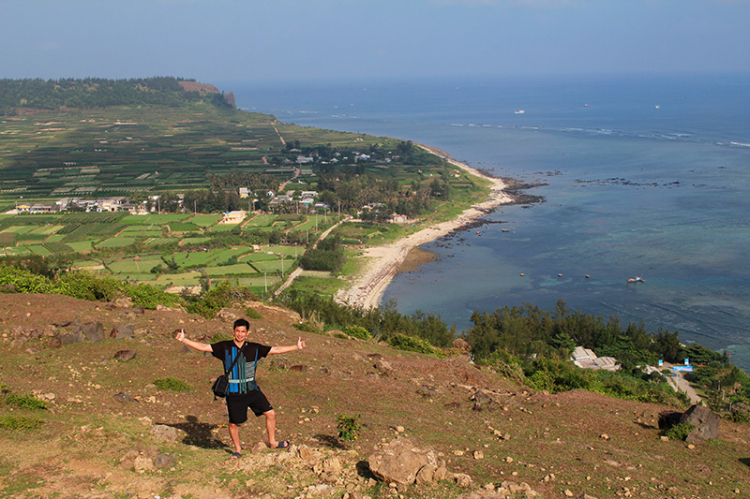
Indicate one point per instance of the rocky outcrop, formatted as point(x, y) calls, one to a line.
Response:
point(401, 462)
point(704, 420)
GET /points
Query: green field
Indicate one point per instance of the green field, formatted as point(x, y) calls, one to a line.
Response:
point(204, 220)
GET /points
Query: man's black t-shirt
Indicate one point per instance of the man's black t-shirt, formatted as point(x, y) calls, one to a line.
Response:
point(242, 376)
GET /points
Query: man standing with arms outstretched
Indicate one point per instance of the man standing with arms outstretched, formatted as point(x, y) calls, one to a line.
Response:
point(244, 392)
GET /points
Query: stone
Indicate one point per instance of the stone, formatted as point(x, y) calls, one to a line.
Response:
point(54, 343)
point(50, 330)
point(320, 490)
point(227, 315)
point(124, 302)
point(426, 474)
point(462, 480)
point(93, 331)
point(462, 345)
point(164, 461)
point(122, 332)
point(142, 464)
point(299, 368)
point(705, 421)
point(384, 367)
point(306, 453)
point(332, 465)
point(165, 432)
point(123, 397)
point(668, 419)
point(259, 447)
point(586, 496)
point(125, 355)
point(71, 338)
point(400, 461)
point(127, 461)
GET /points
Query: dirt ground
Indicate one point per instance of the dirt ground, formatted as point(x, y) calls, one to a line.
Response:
point(481, 423)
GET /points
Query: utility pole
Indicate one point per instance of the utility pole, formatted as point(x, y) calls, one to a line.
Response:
point(265, 279)
point(282, 266)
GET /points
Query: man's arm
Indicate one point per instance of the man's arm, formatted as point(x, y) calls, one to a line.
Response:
point(289, 348)
point(195, 345)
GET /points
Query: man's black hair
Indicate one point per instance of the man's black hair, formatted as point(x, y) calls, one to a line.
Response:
point(241, 322)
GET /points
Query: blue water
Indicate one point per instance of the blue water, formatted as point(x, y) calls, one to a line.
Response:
point(643, 177)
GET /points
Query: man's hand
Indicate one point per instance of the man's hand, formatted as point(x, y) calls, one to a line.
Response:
point(180, 336)
point(300, 343)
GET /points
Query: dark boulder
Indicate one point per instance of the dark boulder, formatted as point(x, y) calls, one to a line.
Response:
point(125, 355)
point(122, 332)
point(704, 420)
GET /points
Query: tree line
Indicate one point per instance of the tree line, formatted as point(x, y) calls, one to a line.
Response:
point(90, 93)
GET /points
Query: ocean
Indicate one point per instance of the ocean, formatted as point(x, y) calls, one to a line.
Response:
point(641, 176)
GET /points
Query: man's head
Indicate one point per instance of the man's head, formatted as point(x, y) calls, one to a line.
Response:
point(240, 329)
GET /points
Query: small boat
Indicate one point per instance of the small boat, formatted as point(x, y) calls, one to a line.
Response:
point(506, 230)
point(636, 279)
point(520, 111)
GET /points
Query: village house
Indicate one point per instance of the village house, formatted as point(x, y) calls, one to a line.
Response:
point(587, 359)
point(43, 208)
point(233, 217)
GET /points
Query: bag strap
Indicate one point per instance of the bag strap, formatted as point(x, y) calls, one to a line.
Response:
point(234, 362)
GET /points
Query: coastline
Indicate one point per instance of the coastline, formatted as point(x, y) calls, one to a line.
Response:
point(368, 286)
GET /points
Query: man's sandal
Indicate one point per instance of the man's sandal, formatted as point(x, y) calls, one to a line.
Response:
point(282, 445)
point(236, 455)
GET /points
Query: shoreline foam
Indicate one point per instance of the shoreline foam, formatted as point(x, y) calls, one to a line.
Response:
point(369, 285)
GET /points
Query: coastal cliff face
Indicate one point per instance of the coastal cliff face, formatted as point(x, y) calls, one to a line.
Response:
point(229, 97)
point(201, 88)
point(107, 426)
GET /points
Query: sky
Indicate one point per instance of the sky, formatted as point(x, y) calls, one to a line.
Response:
point(283, 40)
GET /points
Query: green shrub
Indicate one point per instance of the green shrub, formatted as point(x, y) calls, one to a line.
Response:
point(349, 427)
point(149, 296)
point(28, 402)
point(87, 286)
point(172, 385)
point(411, 344)
point(24, 281)
point(20, 422)
point(680, 431)
point(358, 332)
point(252, 313)
point(307, 326)
point(213, 300)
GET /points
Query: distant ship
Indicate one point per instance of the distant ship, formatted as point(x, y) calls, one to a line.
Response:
point(520, 111)
point(636, 279)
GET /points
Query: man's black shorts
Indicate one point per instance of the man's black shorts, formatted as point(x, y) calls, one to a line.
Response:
point(237, 406)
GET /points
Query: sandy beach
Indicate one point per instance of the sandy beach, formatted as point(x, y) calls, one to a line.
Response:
point(382, 262)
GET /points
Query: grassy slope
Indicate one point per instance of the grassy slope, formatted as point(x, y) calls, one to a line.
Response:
point(87, 431)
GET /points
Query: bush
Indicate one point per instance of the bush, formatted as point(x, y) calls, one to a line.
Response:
point(358, 332)
point(89, 287)
point(149, 297)
point(251, 313)
point(24, 281)
point(223, 295)
point(349, 427)
point(172, 385)
point(28, 402)
point(20, 423)
point(680, 431)
point(411, 344)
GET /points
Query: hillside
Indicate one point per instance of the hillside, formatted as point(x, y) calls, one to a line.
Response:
point(481, 423)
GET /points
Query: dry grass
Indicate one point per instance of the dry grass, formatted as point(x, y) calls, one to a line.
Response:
point(87, 430)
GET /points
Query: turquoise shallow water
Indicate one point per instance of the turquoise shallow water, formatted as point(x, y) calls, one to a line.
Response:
point(630, 189)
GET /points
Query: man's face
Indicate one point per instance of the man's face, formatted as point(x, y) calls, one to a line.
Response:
point(240, 333)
